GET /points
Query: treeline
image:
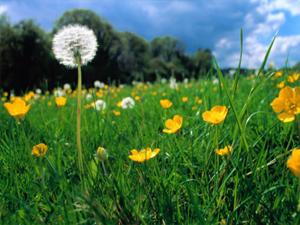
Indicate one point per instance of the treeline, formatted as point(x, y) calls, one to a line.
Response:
point(27, 61)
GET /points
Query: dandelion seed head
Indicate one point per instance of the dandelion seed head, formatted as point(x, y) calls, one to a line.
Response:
point(127, 102)
point(72, 41)
point(98, 84)
point(100, 105)
point(59, 92)
point(38, 91)
point(89, 97)
point(67, 87)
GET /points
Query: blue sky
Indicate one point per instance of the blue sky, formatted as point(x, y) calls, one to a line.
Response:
point(213, 24)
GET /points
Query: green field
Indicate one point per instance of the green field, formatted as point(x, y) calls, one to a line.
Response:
point(185, 183)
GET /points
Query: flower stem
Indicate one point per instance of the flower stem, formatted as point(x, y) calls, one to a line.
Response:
point(298, 207)
point(78, 136)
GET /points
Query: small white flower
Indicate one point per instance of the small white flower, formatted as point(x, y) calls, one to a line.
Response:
point(38, 91)
point(88, 96)
point(67, 87)
point(59, 92)
point(173, 84)
point(72, 41)
point(186, 80)
point(98, 84)
point(100, 105)
point(215, 81)
point(127, 102)
point(163, 80)
point(36, 96)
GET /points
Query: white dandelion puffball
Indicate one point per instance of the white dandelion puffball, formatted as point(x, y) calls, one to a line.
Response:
point(59, 92)
point(127, 103)
point(173, 84)
point(98, 84)
point(38, 91)
point(100, 105)
point(67, 87)
point(89, 96)
point(163, 80)
point(72, 41)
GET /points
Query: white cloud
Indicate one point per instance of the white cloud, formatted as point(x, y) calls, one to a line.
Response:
point(260, 25)
point(3, 9)
point(291, 6)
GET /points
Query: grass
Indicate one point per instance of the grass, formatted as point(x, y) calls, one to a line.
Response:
point(186, 183)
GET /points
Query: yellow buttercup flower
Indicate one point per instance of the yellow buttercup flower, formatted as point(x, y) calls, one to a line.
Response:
point(185, 99)
point(293, 163)
point(293, 77)
point(165, 103)
point(143, 155)
point(17, 108)
point(224, 151)
point(116, 113)
point(281, 84)
point(60, 101)
point(29, 96)
point(216, 115)
point(119, 104)
point(199, 101)
point(287, 104)
point(100, 94)
point(39, 150)
point(173, 125)
point(137, 98)
point(278, 74)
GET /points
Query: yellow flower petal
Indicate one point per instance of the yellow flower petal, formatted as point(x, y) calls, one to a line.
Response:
point(18, 108)
point(165, 103)
point(293, 163)
point(286, 117)
point(143, 155)
point(278, 105)
point(39, 150)
point(173, 125)
point(286, 92)
point(224, 151)
point(216, 115)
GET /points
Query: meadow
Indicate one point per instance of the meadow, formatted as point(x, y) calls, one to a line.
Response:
point(229, 171)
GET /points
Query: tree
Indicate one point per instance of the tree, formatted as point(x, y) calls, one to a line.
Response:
point(133, 57)
point(170, 52)
point(25, 55)
point(166, 48)
point(202, 61)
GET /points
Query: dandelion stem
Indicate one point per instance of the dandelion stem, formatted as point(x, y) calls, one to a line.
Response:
point(104, 168)
point(78, 136)
point(298, 207)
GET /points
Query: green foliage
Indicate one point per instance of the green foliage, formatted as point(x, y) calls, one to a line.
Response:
point(297, 66)
point(186, 183)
